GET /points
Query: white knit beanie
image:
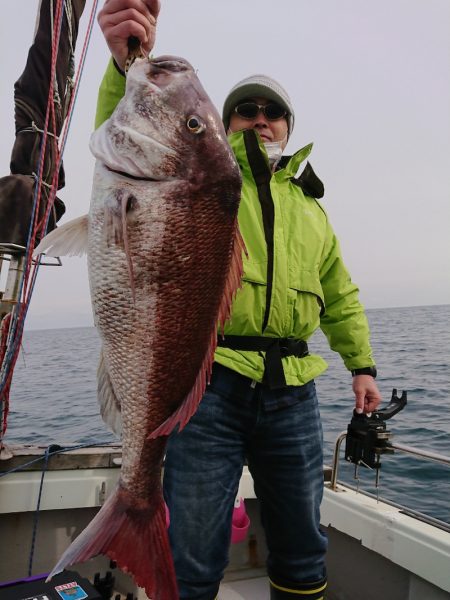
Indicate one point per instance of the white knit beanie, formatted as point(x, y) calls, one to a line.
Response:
point(253, 87)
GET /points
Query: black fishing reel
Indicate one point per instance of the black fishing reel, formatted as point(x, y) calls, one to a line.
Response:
point(367, 436)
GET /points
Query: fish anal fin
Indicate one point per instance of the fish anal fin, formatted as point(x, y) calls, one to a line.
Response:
point(110, 408)
point(70, 239)
point(233, 281)
point(189, 405)
point(135, 537)
point(185, 411)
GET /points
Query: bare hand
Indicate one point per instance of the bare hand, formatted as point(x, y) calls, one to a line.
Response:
point(122, 19)
point(367, 395)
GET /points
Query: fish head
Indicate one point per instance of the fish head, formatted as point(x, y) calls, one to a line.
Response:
point(165, 126)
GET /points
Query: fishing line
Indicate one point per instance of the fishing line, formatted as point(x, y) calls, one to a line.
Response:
point(37, 511)
point(51, 450)
point(60, 451)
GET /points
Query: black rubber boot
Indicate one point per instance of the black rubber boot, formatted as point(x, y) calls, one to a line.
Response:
point(285, 590)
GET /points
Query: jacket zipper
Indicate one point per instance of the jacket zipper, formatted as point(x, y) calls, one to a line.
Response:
point(262, 176)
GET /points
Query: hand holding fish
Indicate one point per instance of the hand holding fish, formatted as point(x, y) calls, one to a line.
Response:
point(121, 19)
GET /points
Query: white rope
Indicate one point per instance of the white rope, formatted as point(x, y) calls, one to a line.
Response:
point(35, 129)
point(44, 183)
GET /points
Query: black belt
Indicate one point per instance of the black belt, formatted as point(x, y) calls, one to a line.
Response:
point(275, 349)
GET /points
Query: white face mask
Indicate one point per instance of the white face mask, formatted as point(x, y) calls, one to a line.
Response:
point(274, 151)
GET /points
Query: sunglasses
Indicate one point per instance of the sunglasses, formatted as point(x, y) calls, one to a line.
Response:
point(249, 110)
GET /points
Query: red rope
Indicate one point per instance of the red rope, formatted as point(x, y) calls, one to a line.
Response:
point(38, 226)
point(4, 330)
point(65, 130)
point(50, 112)
point(22, 307)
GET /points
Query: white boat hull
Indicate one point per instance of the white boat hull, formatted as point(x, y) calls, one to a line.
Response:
point(375, 550)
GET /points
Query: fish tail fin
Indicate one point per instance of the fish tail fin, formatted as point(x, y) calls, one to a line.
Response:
point(70, 239)
point(134, 535)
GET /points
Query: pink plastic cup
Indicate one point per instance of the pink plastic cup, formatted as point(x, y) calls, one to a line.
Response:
point(240, 522)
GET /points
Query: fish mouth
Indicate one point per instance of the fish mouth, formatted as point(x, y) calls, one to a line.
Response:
point(138, 170)
point(129, 176)
point(158, 72)
point(173, 64)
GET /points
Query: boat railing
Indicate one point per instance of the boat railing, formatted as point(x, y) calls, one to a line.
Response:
point(417, 452)
point(13, 255)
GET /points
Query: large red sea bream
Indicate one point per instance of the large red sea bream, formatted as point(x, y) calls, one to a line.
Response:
point(165, 258)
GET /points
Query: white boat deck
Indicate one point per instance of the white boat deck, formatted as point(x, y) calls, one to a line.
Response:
point(246, 589)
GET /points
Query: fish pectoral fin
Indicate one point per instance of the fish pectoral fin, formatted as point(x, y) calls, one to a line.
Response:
point(70, 239)
point(110, 408)
point(119, 208)
point(116, 211)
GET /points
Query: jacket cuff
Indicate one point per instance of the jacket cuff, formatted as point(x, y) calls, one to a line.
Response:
point(365, 371)
point(118, 68)
point(112, 89)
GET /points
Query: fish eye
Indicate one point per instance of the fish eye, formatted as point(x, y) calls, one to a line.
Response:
point(194, 124)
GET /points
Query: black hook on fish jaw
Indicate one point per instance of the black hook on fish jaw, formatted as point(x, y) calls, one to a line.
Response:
point(134, 51)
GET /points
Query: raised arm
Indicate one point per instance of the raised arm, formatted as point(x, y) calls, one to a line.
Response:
point(119, 20)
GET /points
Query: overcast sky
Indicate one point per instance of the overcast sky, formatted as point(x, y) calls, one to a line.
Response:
point(370, 83)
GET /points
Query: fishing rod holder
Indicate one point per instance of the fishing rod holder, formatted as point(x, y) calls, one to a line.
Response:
point(13, 256)
point(367, 435)
point(416, 452)
point(367, 438)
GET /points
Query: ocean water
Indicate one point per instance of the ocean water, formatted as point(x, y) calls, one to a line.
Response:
point(53, 398)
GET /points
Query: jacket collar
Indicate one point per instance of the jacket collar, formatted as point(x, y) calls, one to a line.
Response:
point(291, 164)
point(288, 166)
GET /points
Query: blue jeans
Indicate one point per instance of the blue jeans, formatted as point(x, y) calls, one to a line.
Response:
point(203, 467)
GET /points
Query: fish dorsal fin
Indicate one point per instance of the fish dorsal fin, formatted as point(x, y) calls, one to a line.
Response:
point(182, 415)
point(71, 239)
point(109, 404)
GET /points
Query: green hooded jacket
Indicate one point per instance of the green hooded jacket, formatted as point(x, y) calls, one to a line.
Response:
point(294, 277)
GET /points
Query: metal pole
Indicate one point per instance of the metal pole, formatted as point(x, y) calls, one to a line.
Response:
point(8, 301)
point(422, 453)
point(337, 448)
point(434, 456)
point(11, 294)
